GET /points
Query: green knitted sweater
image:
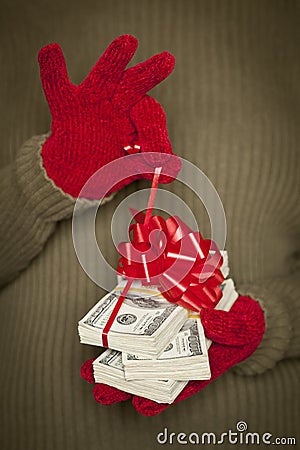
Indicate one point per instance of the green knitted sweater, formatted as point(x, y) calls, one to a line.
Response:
point(232, 106)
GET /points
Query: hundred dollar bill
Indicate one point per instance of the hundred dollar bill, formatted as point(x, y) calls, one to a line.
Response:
point(108, 368)
point(145, 323)
point(185, 358)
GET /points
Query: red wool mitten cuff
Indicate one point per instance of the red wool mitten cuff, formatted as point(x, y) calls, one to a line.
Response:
point(236, 335)
point(104, 118)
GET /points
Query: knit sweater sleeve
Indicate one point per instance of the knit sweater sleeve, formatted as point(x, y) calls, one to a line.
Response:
point(31, 205)
point(279, 298)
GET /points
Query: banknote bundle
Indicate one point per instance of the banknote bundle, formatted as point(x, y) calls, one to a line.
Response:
point(155, 347)
point(186, 357)
point(108, 369)
point(145, 323)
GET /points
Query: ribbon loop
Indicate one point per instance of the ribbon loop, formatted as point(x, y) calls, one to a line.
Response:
point(167, 253)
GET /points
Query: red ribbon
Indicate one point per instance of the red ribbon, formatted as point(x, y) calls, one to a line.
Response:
point(114, 313)
point(167, 253)
point(129, 282)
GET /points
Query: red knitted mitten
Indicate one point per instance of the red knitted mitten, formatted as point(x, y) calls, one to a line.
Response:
point(104, 118)
point(235, 334)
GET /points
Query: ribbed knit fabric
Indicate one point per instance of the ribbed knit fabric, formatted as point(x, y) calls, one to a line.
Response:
point(232, 108)
point(282, 338)
point(26, 188)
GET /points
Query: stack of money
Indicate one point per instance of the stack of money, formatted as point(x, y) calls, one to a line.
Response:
point(186, 357)
point(156, 347)
point(108, 369)
point(145, 323)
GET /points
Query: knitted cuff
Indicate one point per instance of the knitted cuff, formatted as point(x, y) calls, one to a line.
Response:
point(41, 194)
point(277, 335)
point(288, 288)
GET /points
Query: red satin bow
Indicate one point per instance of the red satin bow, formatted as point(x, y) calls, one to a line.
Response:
point(167, 253)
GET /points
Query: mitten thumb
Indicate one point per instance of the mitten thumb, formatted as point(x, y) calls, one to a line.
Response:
point(243, 324)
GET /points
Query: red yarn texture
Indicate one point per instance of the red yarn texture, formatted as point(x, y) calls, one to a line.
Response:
point(236, 335)
point(109, 110)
